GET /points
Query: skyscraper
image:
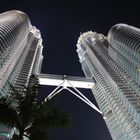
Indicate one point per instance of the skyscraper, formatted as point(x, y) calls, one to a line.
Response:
point(113, 62)
point(20, 52)
point(20, 49)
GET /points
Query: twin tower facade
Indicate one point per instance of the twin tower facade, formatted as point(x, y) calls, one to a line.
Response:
point(20, 50)
point(20, 55)
point(112, 61)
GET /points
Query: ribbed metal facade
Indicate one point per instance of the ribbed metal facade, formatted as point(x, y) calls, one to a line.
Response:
point(125, 51)
point(14, 27)
point(20, 50)
point(115, 90)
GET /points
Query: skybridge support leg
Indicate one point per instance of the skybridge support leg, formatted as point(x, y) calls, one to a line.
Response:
point(55, 91)
point(76, 92)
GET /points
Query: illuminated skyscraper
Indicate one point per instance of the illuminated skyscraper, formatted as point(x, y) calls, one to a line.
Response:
point(20, 49)
point(20, 52)
point(114, 63)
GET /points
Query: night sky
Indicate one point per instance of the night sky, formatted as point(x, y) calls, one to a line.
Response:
point(60, 23)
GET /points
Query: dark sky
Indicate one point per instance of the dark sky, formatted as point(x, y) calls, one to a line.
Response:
point(60, 23)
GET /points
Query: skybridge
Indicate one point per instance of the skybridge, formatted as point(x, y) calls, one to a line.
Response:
point(70, 83)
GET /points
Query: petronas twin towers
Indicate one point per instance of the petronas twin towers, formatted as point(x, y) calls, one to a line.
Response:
point(20, 50)
point(112, 61)
point(20, 54)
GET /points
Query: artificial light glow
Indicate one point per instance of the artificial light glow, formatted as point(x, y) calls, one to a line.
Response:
point(68, 81)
